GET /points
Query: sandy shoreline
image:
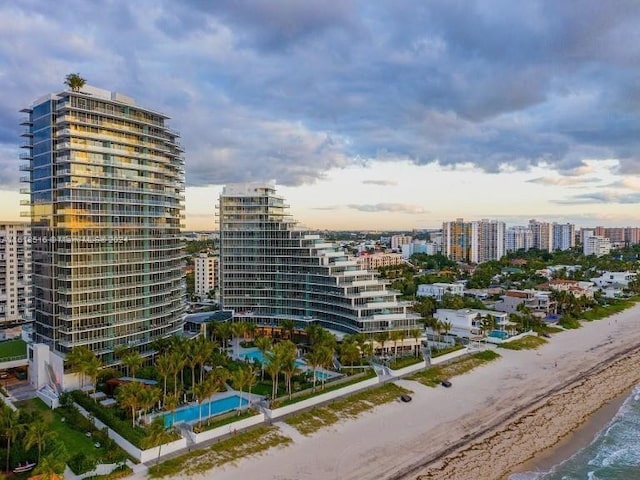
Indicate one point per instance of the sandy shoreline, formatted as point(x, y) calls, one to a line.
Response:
point(576, 440)
point(474, 429)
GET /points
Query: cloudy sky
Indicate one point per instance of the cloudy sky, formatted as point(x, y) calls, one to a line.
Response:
point(388, 114)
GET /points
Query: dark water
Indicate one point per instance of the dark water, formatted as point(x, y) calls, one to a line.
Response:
point(614, 453)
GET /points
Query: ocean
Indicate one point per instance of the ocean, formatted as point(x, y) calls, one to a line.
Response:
point(614, 453)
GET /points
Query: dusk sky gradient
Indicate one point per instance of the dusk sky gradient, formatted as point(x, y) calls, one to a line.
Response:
point(367, 115)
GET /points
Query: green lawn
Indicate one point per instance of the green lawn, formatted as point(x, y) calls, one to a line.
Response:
point(75, 441)
point(615, 306)
point(403, 362)
point(13, 348)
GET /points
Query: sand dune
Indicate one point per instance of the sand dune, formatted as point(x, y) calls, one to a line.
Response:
point(492, 419)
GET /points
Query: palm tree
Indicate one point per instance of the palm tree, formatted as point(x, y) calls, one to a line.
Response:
point(200, 392)
point(326, 355)
point(287, 351)
point(157, 435)
point(264, 345)
point(288, 326)
point(251, 329)
point(92, 368)
point(224, 332)
point(381, 338)
point(202, 350)
point(177, 364)
point(314, 360)
point(273, 367)
point(416, 333)
point(396, 336)
point(78, 359)
point(191, 358)
point(132, 361)
point(128, 396)
point(171, 403)
point(50, 467)
point(238, 330)
point(164, 367)
point(10, 427)
point(242, 377)
point(37, 436)
point(210, 386)
point(148, 397)
point(349, 353)
point(74, 81)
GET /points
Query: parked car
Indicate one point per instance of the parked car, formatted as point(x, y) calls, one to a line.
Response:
point(546, 335)
point(446, 383)
point(405, 398)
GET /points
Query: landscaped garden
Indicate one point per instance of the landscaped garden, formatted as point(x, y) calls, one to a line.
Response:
point(529, 342)
point(13, 349)
point(53, 438)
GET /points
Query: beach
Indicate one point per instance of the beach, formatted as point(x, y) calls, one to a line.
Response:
point(490, 421)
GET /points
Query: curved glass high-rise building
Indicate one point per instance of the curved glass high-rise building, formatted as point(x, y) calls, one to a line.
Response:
point(271, 270)
point(106, 201)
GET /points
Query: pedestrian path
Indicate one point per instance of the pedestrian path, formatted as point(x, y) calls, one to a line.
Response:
point(290, 432)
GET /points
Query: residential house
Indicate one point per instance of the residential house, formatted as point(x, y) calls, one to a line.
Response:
point(537, 301)
point(438, 290)
point(468, 322)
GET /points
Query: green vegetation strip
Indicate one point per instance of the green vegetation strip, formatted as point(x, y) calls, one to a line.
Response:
point(405, 362)
point(616, 306)
point(226, 419)
point(443, 351)
point(349, 407)
point(434, 375)
point(13, 348)
point(237, 447)
point(525, 343)
point(334, 385)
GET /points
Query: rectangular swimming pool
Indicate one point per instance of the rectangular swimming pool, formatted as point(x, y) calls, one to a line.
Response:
point(257, 356)
point(191, 413)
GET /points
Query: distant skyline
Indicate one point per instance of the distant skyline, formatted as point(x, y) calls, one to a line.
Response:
point(367, 115)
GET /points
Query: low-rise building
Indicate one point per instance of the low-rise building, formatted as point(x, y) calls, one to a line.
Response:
point(537, 301)
point(205, 267)
point(574, 287)
point(438, 290)
point(608, 279)
point(373, 261)
point(471, 322)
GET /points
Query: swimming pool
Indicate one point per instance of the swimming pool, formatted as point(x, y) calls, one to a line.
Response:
point(192, 413)
point(321, 375)
point(498, 334)
point(256, 355)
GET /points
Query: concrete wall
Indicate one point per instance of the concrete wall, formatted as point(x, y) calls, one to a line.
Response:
point(227, 429)
point(325, 397)
point(101, 469)
point(131, 449)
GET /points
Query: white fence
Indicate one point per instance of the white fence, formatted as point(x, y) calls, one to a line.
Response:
point(410, 369)
point(101, 469)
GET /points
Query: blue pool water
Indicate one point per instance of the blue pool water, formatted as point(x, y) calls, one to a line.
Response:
point(498, 334)
point(192, 413)
point(320, 375)
point(257, 356)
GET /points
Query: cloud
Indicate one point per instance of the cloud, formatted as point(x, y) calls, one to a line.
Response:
point(382, 183)
point(390, 207)
point(289, 90)
point(600, 197)
point(564, 181)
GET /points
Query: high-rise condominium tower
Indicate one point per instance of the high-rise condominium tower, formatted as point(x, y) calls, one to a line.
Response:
point(15, 274)
point(271, 270)
point(106, 197)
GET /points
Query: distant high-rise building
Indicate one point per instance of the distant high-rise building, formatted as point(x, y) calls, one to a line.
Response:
point(487, 241)
point(106, 199)
point(518, 238)
point(564, 236)
point(397, 241)
point(542, 235)
point(205, 274)
point(596, 245)
point(15, 273)
point(271, 270)
point(456, 240)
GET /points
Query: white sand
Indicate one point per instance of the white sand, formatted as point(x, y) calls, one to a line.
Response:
point(387, 442)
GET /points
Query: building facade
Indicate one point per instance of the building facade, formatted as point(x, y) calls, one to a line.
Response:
point(205, 267)
point(518, 238)
point(541, 235)
point(15, 274)
point(564, 236)
point(487, 241)
point(106, 200)
point(372, 261)
point(456, 240)
point(272, 270)
point(596, 245)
